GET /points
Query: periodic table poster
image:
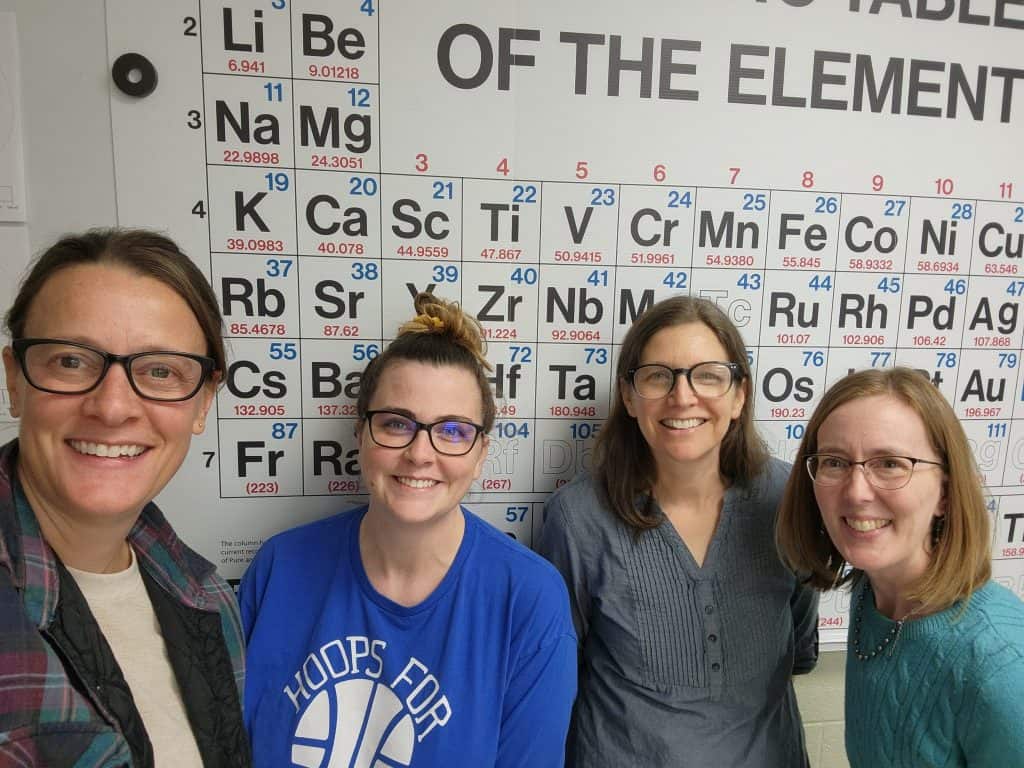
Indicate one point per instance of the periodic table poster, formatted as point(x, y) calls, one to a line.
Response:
point(842, 177)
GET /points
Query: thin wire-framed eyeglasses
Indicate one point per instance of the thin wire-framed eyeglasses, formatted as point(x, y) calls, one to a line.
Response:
point(887, 473)
point(71, 368)
point(708, 379)
point(452, 437)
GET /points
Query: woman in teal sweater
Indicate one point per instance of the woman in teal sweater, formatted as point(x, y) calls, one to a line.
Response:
point(885, 495)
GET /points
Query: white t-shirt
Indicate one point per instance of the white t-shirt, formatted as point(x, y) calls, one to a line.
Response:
point(121, 605)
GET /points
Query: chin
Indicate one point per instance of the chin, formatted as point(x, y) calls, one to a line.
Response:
point(691, 457)
point(416, 514)
point(424, 520)
point(863, 561)
point(106, 505)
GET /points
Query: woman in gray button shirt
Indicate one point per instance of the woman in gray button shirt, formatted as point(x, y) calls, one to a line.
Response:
point(690, 627)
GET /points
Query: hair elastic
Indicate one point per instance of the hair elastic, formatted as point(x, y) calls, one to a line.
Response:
point(430, 321)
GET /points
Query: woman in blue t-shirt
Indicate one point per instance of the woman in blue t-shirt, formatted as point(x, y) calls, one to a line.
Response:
point(408, 632)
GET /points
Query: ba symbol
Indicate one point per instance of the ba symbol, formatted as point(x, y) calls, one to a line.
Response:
point(354, 724)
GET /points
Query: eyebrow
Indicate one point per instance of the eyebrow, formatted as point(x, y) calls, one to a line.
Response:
point(409, 414)
point(88, 342)
point(886, 451)
point(670, 365)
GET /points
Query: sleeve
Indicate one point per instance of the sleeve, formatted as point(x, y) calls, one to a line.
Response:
point(993, 737)
point(559, 545)
point(250, 591)
point(803, 604)
point(538, 705)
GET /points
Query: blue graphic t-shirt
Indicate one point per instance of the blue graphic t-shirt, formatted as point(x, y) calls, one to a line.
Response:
point(481, 673)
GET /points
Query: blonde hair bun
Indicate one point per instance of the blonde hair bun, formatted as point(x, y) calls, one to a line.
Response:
point(435, 315)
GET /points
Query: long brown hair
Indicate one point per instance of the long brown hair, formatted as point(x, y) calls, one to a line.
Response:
point(624, 465)
point(960, 561)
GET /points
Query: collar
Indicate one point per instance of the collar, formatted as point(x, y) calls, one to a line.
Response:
point(33, 563)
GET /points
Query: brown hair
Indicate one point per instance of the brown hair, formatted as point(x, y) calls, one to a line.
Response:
point(441, 334)
point(624, 465)
point(140, 251)
point(960, 560)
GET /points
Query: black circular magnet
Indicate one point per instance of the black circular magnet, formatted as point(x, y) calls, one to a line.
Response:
point(134, 75)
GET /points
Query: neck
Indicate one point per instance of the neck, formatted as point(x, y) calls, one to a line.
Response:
point(892, 585)
point(95, 548)
point(405, 563)
point(890, 599)
point(693, 491)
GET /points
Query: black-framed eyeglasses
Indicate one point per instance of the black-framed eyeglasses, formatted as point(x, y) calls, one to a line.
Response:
point(70, 368)
point(887, 473)
point(708, 379)
point(452, 437)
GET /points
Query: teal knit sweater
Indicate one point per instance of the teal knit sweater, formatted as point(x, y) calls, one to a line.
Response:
point(951, 694)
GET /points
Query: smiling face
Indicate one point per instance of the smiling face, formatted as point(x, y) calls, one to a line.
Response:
point(683, 430)
point(100, 457)
point(416, 484)
point(887, 534)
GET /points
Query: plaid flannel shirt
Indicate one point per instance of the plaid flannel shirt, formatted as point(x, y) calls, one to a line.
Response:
point(44, 719)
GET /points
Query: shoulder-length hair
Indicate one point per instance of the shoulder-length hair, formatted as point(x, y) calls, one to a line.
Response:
point(624, 465)
point(960, 560)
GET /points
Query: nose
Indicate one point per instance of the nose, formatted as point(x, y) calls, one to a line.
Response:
point(420, 451)
point(857, 485)
point(113, 401)
point(682, 392)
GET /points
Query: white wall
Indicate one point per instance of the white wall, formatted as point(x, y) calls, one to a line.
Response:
point(69, 159)
point(69, 167)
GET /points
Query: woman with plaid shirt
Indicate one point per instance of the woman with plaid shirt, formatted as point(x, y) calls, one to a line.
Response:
point(119, 645)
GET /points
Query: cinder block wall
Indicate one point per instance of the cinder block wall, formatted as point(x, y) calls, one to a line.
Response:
point(820, 695)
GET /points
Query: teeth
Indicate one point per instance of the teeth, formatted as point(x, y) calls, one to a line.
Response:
point(106, 451)
point(682, 423)
point(866, 525)
point(414, 482)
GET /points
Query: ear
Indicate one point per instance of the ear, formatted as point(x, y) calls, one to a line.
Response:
point(627, 395)
point(205, 396)
point(485, 445)
point(15, 382)
point(740, 400)
point(361, 432)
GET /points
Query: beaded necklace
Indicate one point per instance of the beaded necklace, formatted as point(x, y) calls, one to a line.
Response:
point(891, 637)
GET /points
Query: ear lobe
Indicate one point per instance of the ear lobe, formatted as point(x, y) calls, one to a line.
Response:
point(626, 393)
point(12, 372)
point(741, 400)
point(485, 444)
point(208, 392)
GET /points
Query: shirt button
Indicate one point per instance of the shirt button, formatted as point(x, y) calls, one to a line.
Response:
point(713, 638)
point(709, 609)
point(715, 667)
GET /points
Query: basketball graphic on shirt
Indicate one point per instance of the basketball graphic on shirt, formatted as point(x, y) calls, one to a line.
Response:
point(356, 724)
